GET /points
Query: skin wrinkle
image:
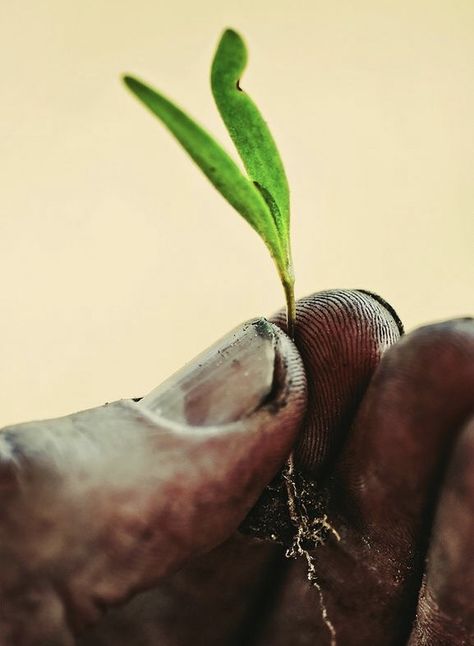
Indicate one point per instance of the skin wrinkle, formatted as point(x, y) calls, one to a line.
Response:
point(344, 334)
point(386, 305)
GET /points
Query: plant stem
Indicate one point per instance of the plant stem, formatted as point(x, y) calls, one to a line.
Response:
point(303, 526)
point(289, 287)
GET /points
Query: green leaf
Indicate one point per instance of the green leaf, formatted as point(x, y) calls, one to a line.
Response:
point(216, 164)
point(263, 197)
point(249, 131)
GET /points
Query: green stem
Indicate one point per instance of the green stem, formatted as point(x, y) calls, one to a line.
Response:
point(289, 287)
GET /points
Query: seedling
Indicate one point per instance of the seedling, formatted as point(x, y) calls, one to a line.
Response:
point(261, 196)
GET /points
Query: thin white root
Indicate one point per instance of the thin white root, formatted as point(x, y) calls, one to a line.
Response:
point(307, 531)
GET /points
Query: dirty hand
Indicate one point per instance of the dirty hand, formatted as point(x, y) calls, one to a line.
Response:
point(100, 505)
point(397, 477)
point(390, 444)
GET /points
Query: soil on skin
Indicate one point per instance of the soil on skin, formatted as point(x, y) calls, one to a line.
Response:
point(270, 518)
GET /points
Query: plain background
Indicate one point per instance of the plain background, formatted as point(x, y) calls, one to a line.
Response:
point(119, 261)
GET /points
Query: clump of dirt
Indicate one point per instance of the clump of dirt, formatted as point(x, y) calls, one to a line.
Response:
point(291, 508)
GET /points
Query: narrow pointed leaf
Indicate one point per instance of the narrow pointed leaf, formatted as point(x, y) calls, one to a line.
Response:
point(249, 130)
point(216, 164)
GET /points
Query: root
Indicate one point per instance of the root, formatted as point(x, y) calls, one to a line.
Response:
point(309, 534)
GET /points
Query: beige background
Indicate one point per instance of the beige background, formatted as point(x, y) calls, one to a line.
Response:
point(119, 262)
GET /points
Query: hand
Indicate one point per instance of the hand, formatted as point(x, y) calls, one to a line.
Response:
point(244, 592)
point(400, 492)
point(390, 442)
point(101, 504)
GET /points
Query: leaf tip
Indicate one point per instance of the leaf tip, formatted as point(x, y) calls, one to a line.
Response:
point(231, 33)
point(232, 39)
point(129, 81)
point(136, 87)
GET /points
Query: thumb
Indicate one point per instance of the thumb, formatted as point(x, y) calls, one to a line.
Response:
point(102, 503)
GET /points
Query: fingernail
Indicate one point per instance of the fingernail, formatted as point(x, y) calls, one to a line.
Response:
point(227, 382)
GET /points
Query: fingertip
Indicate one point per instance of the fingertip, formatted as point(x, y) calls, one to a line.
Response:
point(341, 335)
